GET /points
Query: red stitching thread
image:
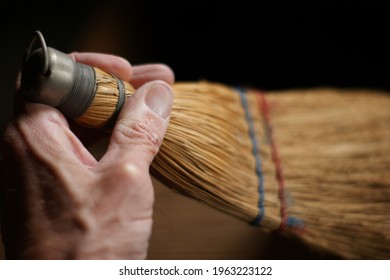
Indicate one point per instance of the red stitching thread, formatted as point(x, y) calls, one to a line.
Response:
point(265, 108)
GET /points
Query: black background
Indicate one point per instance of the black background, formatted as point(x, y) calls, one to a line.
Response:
point(267, 44)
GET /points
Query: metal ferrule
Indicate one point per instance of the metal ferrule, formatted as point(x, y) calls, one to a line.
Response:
point(53, 78)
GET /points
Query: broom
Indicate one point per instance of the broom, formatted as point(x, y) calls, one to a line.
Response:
point(311, 164)
point(332, 192)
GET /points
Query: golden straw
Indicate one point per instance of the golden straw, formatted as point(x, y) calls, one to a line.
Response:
point(330, 147)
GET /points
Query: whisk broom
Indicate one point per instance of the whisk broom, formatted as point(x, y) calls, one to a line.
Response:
point(310, 164)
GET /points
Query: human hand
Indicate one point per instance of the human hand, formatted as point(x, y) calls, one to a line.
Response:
point(59, 202)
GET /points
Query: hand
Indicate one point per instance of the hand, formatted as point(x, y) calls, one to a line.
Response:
point(59, 202)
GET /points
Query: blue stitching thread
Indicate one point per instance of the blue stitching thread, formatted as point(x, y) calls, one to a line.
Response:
point(255, 152)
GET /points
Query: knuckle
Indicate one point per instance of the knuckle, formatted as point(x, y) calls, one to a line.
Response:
point(49, 115)
point(128, 171)
point(138, 133)
point(29, 128)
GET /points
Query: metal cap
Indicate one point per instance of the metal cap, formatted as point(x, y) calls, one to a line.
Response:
point(53, 78)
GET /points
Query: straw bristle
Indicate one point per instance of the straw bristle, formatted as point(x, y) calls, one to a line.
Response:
point(104, 104)
point(334, 147)
point(207, 154)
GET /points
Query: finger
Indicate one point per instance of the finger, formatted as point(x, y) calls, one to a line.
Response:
point(46, 133)
point(149, 72)
point(111, 64)
point(141, 126)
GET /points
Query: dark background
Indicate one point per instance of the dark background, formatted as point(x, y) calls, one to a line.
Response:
point(268, 45)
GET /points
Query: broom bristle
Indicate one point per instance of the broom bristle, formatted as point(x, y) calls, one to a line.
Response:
point(334, 146)
point(208, 154)
point(104, 104)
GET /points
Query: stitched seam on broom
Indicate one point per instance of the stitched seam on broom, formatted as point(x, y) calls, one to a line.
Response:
point(255, 152)
point(286, 221)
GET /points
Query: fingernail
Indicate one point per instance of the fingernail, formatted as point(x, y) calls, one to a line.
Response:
point(159, 99)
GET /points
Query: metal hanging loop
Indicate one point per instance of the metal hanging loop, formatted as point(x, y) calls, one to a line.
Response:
point(38, 34)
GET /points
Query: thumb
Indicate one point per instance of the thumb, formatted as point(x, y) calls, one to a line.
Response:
point(141, 125)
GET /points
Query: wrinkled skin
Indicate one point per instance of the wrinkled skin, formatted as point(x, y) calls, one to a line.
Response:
point(58, 201)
